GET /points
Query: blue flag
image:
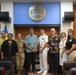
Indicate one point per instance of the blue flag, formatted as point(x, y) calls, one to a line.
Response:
point(6, 31)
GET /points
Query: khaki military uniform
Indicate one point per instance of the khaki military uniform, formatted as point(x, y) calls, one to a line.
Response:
point(21, 55)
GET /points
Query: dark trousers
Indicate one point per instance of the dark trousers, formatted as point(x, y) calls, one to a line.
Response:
point(54, 62)
point(12, 59)
point(30, 59)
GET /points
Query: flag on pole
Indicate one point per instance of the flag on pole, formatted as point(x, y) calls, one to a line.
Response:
point(6, 31)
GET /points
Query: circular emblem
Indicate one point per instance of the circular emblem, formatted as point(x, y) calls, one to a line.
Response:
point(37, 12)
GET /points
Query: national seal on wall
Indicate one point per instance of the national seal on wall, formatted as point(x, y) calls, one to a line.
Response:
point(37, 12)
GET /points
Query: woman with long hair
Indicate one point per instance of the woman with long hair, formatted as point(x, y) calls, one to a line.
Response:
point(70, 46)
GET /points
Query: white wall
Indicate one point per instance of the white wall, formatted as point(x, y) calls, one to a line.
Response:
point(65, 7)
point(8, 6)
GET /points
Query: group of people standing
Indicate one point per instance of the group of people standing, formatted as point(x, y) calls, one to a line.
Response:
point(59, 47)
point(12, 50)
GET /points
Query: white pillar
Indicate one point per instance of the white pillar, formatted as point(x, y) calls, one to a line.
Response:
point(66, 7)
point(8, 6)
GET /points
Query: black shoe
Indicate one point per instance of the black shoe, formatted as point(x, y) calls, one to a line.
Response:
point(15, 72)
point(26, 73)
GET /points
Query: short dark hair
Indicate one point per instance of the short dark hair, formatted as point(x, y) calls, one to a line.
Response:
point(10, 34)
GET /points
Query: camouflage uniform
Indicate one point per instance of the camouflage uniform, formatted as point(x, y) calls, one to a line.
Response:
point(21, 55)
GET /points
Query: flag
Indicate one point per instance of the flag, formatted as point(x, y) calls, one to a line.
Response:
point(6, 31)
point(0, 32)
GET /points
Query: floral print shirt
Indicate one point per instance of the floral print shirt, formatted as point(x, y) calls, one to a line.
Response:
point(54, 43)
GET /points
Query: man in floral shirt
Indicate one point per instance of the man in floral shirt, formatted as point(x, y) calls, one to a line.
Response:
point(54, 51)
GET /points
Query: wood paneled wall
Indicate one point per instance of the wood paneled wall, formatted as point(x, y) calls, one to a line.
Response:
point(0, 11)
point(25, 31)
point(74, 23)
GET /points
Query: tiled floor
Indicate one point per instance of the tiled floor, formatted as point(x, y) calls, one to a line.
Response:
point(41, 74)
point(37, 74)
point(37, 67)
